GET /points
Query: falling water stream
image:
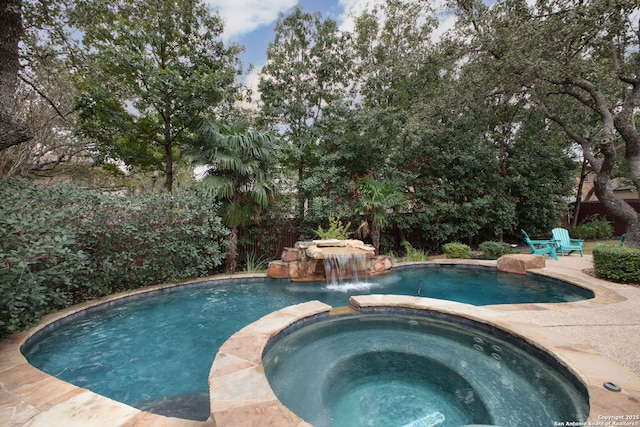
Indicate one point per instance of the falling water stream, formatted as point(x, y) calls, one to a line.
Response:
point(342, 266)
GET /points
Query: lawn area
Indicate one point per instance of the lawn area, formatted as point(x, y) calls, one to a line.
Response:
point(590, 244)
point(587, 246)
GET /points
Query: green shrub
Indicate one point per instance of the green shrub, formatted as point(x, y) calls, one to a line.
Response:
point(457, 250)
point(494, 250)
point(62, 245)
point(594, 227)
point(617, 264)
point(336, 230)
point(255, 263)
point(413, 254)
point(141, 240)
point(40, 256)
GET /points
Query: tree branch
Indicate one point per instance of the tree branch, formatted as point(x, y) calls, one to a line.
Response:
point(44, 96)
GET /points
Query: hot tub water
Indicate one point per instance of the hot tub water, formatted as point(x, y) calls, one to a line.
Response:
point(399, 370)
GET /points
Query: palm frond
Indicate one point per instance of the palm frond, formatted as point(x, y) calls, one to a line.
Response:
point(223, 187)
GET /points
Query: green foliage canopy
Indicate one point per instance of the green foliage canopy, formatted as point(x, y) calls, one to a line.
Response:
point(152, 69)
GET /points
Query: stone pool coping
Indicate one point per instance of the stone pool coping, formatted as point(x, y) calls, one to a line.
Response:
point(594, 338)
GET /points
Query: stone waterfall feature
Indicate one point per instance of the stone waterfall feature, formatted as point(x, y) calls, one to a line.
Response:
point(329, 260)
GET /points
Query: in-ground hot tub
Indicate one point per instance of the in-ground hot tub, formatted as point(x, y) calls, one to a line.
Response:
point(400, 367)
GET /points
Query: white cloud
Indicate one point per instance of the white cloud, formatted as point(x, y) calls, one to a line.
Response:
point(353, 8)
point(446, 23)
point(244, 16)
point(251, 81)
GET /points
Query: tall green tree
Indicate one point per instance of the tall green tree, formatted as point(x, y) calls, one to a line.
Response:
point(390, 44)
point(240, 164)
point(154, 67)
point(304, 75)
point(578, 62)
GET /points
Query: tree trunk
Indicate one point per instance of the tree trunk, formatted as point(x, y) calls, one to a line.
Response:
point(576, 208)
point(13, 129)
point(301, 193)
point(168, 151)
point(232, 250)
point(624, 123)
point(168, 182)
point(602, 185)
point(375, 235)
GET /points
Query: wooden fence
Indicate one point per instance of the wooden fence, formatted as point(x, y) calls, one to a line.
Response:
point(268, 238)
point(589, 209)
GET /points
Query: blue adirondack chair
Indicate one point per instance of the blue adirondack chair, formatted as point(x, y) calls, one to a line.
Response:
point(564, 243)
point(540, 247)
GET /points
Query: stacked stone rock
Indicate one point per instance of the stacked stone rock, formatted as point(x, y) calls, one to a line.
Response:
point(305, 261)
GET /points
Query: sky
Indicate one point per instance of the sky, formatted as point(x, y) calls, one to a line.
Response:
point(250, 23)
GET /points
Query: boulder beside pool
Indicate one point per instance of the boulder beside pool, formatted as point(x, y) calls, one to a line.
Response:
point(519, 263)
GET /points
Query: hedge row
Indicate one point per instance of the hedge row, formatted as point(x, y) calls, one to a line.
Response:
point(617, 264)
point(62, 245)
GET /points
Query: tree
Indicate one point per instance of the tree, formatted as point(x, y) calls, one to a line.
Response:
point(378, 199)
point(154, 68)
point(578, 62)
point(240, 162)
point(390, 45)
point(304, 75)
point(45, 96)
point(13, 128)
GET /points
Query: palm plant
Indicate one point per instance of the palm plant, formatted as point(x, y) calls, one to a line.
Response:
point(239, 162)
point(378, 199)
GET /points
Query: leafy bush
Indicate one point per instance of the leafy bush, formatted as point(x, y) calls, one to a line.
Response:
point(141, 240)
point(594, 227)
point(40, 256)
point(457, 250)
point(617, 264)
point(336, 230)
point(494, 250)
point(61, 245)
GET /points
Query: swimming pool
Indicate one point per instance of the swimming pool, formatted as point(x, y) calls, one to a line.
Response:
point(154, 352)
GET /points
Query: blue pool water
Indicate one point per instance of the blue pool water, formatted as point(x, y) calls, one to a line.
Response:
point(392, 369)
point(155, 352)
